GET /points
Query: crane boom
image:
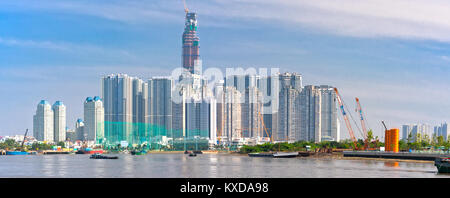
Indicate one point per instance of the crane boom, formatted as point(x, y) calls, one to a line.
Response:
point(363, 124)
point(264, 125)
point(185, 7)
point(344, 114)
point(24, 137)
point(359, 110)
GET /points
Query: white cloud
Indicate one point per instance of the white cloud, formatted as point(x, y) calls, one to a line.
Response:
point(407, 19)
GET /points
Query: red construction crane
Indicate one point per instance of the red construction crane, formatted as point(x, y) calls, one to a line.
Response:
point(363, 124)
point(347, 122)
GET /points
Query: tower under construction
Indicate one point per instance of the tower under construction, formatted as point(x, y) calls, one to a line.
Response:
point(191, 47)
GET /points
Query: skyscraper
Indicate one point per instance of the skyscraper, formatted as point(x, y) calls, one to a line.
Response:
point(251, 110)
point(288, 112)
point(59, 112)
point(160, 105)
point(318, 114)
point(79, 130)
point(94, 115)
point(140, 100)
point(191, 47)
point(201, 118)
point(288, 115)
point(43, 122)
point(117, 94)
point(232, 114)
point(406, 130)
point(270, 90)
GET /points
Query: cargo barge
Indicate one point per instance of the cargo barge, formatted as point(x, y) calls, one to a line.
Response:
point(393, 155)
point(442, 164)
point(16, 153)
point(275, 155)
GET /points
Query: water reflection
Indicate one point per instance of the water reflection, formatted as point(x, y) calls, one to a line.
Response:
point(213, 166)
point(391, 164)
point(206, 165)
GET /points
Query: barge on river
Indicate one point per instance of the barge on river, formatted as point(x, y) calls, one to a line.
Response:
point(442, 164)
point(275, 155)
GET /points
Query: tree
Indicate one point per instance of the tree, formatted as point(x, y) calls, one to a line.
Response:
point(409, 137)
point(9, 144)
point(440, 141)
point(61, 144)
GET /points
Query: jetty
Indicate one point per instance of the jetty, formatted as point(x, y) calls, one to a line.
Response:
point(395, 155)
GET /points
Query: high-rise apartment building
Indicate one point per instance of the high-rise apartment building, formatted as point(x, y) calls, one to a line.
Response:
point(71, 135)
point(252, 125)
point(329, 123)
point(79, 130)
point(94, 117)
point(288, 107)
point(288, 115)
point(160, 105)
point(442, 130)
point(140, 101)
point(417, 132)
point(270, 90)
point(191, 47)
point(318, 114)
point(117, 94)
point(406, 130)
point(43, 128)
point(59, 121)
point(231, 114)
point(201, 118)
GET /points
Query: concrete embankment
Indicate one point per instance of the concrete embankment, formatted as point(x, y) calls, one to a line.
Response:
point(391, 155)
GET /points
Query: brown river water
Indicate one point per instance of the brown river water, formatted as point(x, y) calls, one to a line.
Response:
point(208, 166)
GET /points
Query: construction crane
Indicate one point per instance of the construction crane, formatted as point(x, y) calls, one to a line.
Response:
point(185, 7)
point(24, 137)
point(347, 122)
point(264, 125)
point(382, 121)
point(363, 124)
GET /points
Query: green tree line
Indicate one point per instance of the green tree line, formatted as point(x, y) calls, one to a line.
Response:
point(11, 144)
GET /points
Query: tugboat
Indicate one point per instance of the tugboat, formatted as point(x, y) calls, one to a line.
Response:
point(98, 156)
point(442, 164)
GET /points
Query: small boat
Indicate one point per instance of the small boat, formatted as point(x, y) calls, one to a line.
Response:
point(138, 152)
point(197, 152)
point(187, 152)
point(192, 154)
point(79, 152)
point(442, 164)
point(98, 156)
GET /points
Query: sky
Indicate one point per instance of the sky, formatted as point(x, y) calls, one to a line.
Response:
point(393, 55)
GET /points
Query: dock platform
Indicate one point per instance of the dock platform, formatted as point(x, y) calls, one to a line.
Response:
point(392, 155)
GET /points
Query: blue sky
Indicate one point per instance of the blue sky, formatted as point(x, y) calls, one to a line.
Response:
point(393, 55)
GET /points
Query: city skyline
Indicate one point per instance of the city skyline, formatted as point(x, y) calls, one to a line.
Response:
point(385, 96)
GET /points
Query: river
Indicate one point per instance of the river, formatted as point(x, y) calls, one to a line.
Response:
point(207, 166)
